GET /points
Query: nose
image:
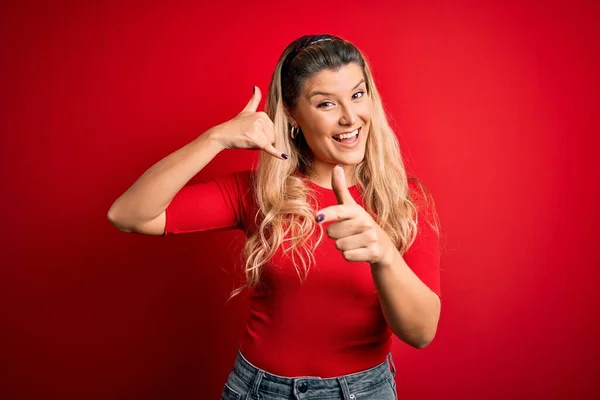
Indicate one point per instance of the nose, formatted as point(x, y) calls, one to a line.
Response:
point(348, 115)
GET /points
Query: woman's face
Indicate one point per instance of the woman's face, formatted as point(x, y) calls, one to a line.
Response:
point(334, 103)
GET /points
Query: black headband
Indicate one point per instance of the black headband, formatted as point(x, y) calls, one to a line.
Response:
point(310, 40)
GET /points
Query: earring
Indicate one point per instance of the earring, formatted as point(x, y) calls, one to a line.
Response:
point(294, 131)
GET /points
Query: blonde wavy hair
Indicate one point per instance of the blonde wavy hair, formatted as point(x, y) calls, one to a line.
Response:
point(285, 216)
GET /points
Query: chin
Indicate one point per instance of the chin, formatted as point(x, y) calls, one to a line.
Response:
point(350, 159)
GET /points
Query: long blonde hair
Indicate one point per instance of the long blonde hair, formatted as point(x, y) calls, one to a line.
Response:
point(285, 216)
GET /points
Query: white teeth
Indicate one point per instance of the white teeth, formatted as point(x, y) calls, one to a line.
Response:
point(346, 135)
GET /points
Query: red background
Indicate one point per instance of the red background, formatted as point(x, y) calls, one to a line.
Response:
point(496, 107)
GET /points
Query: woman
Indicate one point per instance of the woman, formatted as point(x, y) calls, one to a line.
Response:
point(342, 247)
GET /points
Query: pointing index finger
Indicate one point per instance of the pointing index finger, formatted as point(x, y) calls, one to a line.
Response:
point(338, 212)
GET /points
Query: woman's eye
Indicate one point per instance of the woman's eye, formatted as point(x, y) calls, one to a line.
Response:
point(358, 95)
point(324, 104)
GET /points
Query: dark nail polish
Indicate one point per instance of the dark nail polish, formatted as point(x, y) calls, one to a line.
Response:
point(285, 156)
point(320, 217)
point(253, 89)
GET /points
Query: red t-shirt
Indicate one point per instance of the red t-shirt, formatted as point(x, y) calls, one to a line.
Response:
point(329, 325)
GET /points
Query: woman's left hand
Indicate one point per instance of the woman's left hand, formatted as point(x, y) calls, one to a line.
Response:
point(356, 234)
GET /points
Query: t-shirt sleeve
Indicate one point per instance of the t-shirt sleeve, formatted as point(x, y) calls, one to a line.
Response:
point(213, 204)
point(423, 257)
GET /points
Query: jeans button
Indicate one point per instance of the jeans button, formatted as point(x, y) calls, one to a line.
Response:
point(303, 387)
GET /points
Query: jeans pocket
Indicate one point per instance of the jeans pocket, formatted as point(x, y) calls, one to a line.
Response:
point(384, 390)
point(230, 394)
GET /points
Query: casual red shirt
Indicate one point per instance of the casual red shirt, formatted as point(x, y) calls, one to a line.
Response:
point(329, 325)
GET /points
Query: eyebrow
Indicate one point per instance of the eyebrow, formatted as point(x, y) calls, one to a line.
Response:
point(311, 94)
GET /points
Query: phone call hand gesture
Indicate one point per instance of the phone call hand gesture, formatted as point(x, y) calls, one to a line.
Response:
point(250, 129)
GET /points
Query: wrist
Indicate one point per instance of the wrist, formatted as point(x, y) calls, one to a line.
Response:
point(215, 137)
point(388, 258)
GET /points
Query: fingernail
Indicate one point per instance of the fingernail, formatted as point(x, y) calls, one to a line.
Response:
point(339, 165)
point(285, 156)
point(253, 89)
point(320, 217)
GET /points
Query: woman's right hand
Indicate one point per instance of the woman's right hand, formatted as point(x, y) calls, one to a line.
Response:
point(249, 130)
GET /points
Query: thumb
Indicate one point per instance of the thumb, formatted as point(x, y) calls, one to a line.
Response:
point(254, 100)
point(338, 183)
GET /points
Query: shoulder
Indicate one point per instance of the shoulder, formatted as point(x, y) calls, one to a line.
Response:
point(417, 191)
point(423, 201)
point(245, 177)
point(242, 181)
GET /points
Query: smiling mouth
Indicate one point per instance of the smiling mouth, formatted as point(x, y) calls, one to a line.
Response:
point(347, 137)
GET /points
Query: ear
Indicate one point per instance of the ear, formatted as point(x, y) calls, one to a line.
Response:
point(290, 117)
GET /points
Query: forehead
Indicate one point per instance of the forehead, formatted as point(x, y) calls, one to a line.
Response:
point(330, 81)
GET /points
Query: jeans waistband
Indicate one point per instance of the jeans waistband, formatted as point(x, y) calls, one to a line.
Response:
point(355, 382)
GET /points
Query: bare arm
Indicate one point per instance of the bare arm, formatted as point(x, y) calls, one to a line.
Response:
point(410, 308)
point(142, 207)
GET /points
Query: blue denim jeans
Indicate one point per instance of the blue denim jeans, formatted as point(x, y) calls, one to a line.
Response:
point(249, 382)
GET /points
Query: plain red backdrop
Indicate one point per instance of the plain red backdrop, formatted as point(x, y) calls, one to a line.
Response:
point(496, 108)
